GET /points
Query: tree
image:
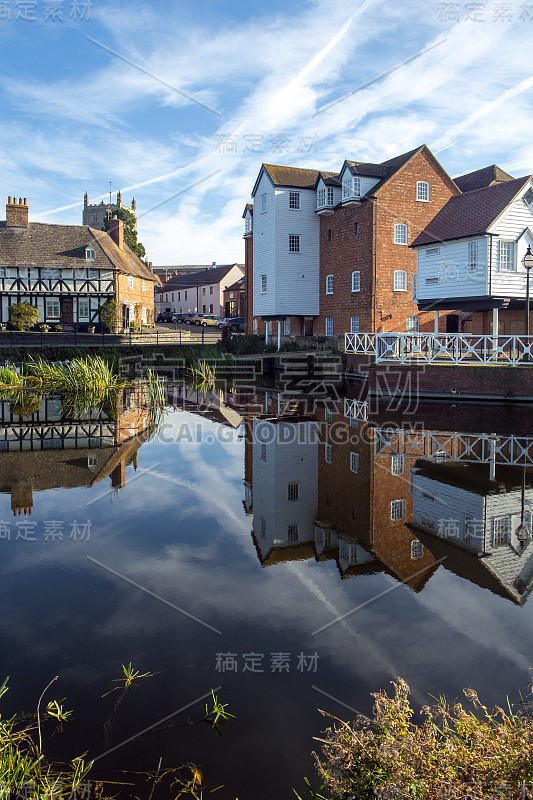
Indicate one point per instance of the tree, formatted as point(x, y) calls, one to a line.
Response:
point(23, 316)
point(109, 315)
point(130, 230)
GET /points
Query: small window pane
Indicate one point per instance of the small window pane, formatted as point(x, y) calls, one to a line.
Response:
point(329, 284)
point(329, 326)
point(356, 281)
point(400, 233)
point(422, 190)
point(400, 280)
point(294, 200)
point(294, 243)
point(354, 324)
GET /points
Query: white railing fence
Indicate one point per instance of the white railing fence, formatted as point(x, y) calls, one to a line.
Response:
point(438, 446)
point(444, 348)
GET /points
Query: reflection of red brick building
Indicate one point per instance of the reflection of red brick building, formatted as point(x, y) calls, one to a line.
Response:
point(365, 499)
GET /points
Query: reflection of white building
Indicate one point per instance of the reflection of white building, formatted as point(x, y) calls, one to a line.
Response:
point(285, 478)
point(461, 504)
point(347, 552)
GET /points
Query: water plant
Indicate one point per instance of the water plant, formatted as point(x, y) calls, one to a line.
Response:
point(453, 752)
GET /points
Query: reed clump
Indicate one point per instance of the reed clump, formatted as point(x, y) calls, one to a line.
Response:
point(453, 753)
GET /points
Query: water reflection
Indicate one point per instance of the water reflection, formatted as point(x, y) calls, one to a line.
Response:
point(50, 448)
point(269, 515)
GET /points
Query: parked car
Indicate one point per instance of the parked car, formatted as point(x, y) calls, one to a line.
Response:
point(179, 317)
point(213, 320)
point(192, 319)
point(235, 324)
point(164, 316)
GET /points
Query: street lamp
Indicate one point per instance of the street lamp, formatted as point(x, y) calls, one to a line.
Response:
point(527, 263)
point(522, 532)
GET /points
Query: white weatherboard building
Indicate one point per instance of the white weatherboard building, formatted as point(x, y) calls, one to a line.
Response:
point(285, 479)
point(461, 504)
point(286, 233)
point(470, 255)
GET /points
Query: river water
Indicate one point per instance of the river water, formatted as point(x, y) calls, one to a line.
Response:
point(290, 550)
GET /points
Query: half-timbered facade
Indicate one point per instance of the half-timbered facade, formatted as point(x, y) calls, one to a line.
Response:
point(69, 271)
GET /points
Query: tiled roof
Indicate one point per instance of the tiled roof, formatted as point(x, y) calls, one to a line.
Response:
point(63, 246)
point(235, 287)
point(481, 178)
point(470, 213)
point(207, 276)
point(292, 176)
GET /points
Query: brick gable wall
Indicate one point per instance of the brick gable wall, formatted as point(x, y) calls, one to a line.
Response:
point(375, 254)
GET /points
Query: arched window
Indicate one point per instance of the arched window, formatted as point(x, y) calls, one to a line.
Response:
point(400, 280)
point(329, 284)
point(356, 281)
point(400, 233)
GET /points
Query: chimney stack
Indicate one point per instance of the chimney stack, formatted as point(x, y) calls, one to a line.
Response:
point(17, 213)
point(213, 264)
point(116, 231)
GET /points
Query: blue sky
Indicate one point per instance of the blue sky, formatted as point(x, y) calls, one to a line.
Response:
point(178, 103)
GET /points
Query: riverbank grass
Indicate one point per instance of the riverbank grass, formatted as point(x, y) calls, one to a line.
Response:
point(453, 753)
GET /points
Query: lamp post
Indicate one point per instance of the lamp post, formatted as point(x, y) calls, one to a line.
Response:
point(527, 263)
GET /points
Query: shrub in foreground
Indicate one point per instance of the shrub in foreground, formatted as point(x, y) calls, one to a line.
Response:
point(453, 753)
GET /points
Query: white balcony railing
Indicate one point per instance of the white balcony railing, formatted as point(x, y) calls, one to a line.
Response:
point(444, 348)
point(472, 448)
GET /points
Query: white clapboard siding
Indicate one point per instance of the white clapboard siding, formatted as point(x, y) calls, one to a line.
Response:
point(509, 227)
point(297, 274)
point(440, 508)
point(264, 248)
point(447, 273)
point(295, 461)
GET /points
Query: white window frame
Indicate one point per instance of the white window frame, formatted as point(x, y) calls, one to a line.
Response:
point(330, 196)
point(144, 285)
point(293, 492)
point(130, 281)
point(329, 284)
point(397, 466)
point(329, 326)
point(286, 326)
point(90, 253)
point(321, 198)
point(354, 324)
point(84, 302)
point(422, 191)
point(294, 242)
point(397, 510)
point(473, 255)
point(400, 233)
point(328, 453)
point(52, 304)
point(263, 284)
point(507, 264)
point(400, 280)
point(263, 203)
point(417, 549)
point(412, 324)
point(294, 201)
point(248, 224)
point(93, 274)
point(356, 280)
point(292, 532)
point(354, 462)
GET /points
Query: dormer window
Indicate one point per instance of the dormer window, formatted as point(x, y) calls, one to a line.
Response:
point(351, 187)
point(90, 253)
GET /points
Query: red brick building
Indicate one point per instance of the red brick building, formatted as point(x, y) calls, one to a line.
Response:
point(328, 253)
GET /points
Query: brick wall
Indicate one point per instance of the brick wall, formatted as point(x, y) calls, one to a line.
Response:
point(135, 296)
point(378, 306)
point(499, 382)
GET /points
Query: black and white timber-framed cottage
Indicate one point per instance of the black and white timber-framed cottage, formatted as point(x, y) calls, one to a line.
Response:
point(69, 271)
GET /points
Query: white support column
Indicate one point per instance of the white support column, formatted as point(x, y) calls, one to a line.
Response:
point(436, 328)
point(279, 334)
point(266, 332)
point(494, 329)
